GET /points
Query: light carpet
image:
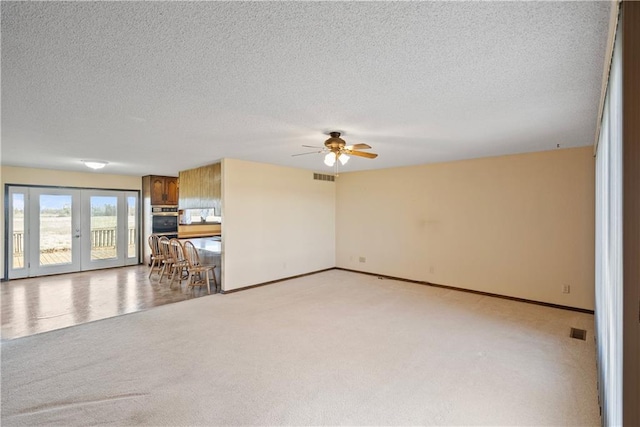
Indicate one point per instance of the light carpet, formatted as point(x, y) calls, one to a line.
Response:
point(330, 348)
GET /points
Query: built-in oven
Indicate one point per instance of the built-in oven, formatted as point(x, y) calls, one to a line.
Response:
point(164, 221)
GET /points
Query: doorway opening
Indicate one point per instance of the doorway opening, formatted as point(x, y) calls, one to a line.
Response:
point(64, 230)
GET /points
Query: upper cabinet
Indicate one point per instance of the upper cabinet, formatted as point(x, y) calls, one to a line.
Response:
point(200, 188)
point(164, 190)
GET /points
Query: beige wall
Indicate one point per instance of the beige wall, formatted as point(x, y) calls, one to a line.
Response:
point(276, 222)
point(520, 225)
point(30, 176)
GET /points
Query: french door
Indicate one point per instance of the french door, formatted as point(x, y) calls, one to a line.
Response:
point(62, 230)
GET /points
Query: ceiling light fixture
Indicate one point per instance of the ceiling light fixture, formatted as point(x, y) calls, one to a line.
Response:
point(337, 152)
point(330, 159)
point(95, 164)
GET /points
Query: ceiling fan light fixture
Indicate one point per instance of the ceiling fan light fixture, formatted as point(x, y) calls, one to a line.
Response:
point(330, 159)
point(95, 164)
point(336, 152)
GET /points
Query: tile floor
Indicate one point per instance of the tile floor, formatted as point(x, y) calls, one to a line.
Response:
point(40, 304)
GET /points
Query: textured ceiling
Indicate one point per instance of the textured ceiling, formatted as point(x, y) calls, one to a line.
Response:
point(158, 87)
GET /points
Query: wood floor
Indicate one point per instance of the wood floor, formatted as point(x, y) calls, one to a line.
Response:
point(31, 306)
point(64, 256)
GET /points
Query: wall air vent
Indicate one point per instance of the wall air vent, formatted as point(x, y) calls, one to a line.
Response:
point(324, 177)
point(579, 334)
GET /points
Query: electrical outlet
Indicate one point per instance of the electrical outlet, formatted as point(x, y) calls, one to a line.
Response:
point(431, 270)
point(566, 289)
point(363, 259)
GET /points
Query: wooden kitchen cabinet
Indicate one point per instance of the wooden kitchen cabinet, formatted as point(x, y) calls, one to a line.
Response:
point(200, 188)
point(164, 190)
point(171, 186)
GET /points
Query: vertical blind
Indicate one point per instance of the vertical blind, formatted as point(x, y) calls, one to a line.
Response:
point(608, 262)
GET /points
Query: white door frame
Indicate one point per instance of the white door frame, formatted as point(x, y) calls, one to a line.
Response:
point(33, 243)
point(135, 259)
point(81, 230)
point(12, 272)
point(121, 228)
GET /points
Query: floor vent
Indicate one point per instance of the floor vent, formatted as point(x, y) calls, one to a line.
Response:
point(579, 334)
point(324, 177)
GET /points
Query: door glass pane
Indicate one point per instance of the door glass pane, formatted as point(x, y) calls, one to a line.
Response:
point(132, 237)
point(104, 227)
point(18, 231)
point(55, 229)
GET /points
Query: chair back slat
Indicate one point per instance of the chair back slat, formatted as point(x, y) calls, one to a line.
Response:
point(191, 254)
point(176, 251)
point(154, 245)
point(163, 242)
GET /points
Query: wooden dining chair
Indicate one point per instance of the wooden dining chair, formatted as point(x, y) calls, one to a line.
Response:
point(167, 260)
point(198, 273)
point(180, 265)
point(156, 255)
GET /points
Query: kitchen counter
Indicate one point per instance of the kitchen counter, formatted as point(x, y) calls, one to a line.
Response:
point(186, 231)
point(210, 251)
point(212, 245)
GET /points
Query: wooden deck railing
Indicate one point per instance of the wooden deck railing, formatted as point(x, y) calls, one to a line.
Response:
point(18, 243)
point(103, 238)
point(100, 238)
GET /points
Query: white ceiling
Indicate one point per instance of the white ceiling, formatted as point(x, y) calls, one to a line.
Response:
point(158, 87)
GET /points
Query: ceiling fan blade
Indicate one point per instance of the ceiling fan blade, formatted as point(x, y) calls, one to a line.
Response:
point(358, 147)
point(361, 154)
point(304, 154)
point(312, 146)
